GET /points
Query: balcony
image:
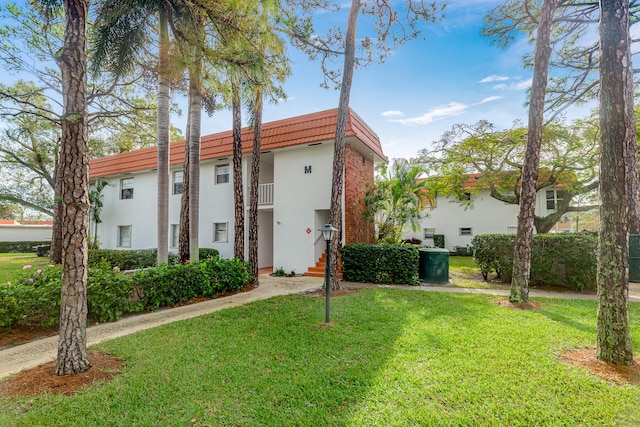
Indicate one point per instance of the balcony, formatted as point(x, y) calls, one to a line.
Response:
point(265, 194)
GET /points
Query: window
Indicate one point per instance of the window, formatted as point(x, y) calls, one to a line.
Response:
point(222, 174)
point(178, 178)
point(124, 236)
point(553, 198)
point(512, 230)
point(429, 233)
point(220, 232)
point(175, 235)
point(126, 188)
point(466, 231)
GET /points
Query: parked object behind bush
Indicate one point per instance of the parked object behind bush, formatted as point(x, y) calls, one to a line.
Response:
point(20, 247)
point(380, 263)
point(567, 260)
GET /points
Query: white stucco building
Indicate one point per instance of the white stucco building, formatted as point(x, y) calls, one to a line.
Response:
point(296, 164)
point(459, 222)
point(26, 231)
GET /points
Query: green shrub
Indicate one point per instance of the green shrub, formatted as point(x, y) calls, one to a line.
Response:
point(123, 259)
point(438, 240)
point(33, 299)
point(226, 275)
point(208, 253)
point(20, 247)
point(171, 284)
point(463, 251)
point(380, 263)
point(567, 260)
point(110, 294)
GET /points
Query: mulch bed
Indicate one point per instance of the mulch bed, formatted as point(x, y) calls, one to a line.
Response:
point(619, 375)
point(42, 378)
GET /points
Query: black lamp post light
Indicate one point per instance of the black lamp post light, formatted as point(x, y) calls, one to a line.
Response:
point(328, 232)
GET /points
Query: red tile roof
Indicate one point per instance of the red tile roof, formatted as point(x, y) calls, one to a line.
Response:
point(299, 130)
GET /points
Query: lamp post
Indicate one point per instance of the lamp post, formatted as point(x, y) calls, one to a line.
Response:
point(327, 234)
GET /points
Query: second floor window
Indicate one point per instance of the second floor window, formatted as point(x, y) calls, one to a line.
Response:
point(126, 188)
point(222, 174)
point(178, 178)
point(554, 197)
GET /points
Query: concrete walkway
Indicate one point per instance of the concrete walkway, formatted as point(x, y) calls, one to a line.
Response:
point(18, 358)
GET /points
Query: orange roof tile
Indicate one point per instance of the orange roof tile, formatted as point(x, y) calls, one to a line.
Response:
point(299, 130)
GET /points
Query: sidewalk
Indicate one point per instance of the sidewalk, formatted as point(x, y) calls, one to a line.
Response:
point(35, 353)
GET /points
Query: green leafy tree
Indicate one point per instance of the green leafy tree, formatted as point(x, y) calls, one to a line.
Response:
point(568, 160)
point(397, 200)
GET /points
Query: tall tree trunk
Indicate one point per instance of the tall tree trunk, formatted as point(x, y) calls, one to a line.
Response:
point(55, 253)
point(617, 122)
point(183, 239)
point(195, 111)
point(238, 197)
point(335, 212)
point(72, 344)
point(255, 183)
point(164, 101)
point(524, 236)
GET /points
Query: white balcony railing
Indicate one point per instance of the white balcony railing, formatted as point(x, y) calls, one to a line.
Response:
point(265, 194)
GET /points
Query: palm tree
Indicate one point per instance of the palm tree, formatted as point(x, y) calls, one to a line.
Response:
point(95, 209)
point(123, 28)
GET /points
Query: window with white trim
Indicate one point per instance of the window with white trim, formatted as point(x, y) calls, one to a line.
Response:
point(126, 188)
point(466, 231)
point(222, 174)
point(175, 235)
point(178, 179)
point(554, 197)
point(220, 234)
point(124, 236)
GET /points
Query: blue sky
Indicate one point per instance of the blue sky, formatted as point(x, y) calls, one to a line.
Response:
point(424, 87)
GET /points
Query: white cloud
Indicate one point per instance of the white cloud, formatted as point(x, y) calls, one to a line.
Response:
point(443, 111)
point(451, 109)
point(392, 113)
point(526, 84)
point(489, 99)
point(494, 78)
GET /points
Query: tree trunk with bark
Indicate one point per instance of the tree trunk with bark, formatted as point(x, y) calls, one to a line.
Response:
point(255, 182)
point(524, 236)
point(335, 212)
point(195, 112)
point(183, 239)
point(72, 344)
point(164, 117)
point(238, 196)
point(617, 122)
point(55, 253)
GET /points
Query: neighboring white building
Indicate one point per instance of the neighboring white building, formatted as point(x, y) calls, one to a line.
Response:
point(459, 222)
point(26, 231)
point(295, 189)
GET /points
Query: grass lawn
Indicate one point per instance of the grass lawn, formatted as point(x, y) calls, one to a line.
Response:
point(11, 264)
point(392, 358)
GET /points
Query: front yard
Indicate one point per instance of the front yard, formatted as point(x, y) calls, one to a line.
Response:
point(392, 358)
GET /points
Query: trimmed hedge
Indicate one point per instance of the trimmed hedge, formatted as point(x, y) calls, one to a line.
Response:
point(20, 247)
point(567, 260)
point(438, 240)
point(33, 299)
point(137, 259)
point(380, 263)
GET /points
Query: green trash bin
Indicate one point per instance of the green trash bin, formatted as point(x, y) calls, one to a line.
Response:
point(433, 265)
